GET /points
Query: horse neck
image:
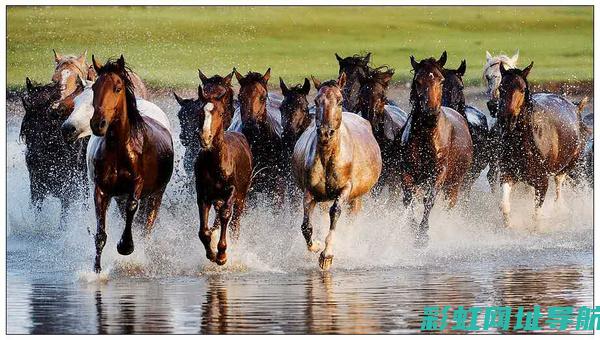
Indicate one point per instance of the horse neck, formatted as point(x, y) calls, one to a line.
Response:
point(218, 151)
point(350, 93)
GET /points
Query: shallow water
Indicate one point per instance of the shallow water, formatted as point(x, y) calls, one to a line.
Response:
point(379, 282)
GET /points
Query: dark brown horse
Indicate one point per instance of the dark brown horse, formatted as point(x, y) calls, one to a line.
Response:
point(453, 96)
point(295, 118)
point(223, 173)
point(260, 122)
point(354, 67)
point(55, 168)
point(541, 135)
point(436, 144)
point(133, 158)
point(386, 121)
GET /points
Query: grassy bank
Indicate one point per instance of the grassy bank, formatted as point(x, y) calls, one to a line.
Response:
point(166, 45)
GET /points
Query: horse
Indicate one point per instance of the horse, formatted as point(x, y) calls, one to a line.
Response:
point(386, 121)
point(68, 69)
point(132, 160)
point(223, 171)
point(355, 67)
point(335, 159)
point(453, 96)
point(259, 119)
point(295, 118)
point(541, 135)
point(215, 87)
point(436, 144)
point(55, 168)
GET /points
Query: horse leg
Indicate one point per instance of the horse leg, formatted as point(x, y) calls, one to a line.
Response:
point(505, 205)
point(421, 236)
point(558, 181)
point(355, 206)
point(205, 233)
point(326, 257)
point(540, 195)
point(125, 245)
point(101, 201)
point(307, 228)
point(153, 206)
point(224, 215)
point(234, 224)
point(408, 192)
point(452, 195)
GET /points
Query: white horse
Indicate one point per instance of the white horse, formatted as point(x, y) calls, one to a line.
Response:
point(78, 124)
point(491, 71)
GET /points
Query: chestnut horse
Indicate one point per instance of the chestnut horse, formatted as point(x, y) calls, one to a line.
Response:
point(354, 67)
point(133, 158)
point(386, 121)
point(453, 96)
point(436, 144)
point(295, 118)
point(223, 173)
point(541, 135)
point(55, 167)
point(68, 69)
point(336, 159)
point(260, 121)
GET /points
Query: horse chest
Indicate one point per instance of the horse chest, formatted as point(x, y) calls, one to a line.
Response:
point(326, 178)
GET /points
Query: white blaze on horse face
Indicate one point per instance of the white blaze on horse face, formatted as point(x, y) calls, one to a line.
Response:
point(206, 127)
point(505, 206)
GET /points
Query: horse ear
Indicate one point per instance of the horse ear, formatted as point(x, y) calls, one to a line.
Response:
point(488, 56)
point(28, 84)
point(97, 66)
point(462, 68)
point(227, 79)
point(57, 56)
point(515, 57)
point(238, 76)
point(502, 69)
point(414, 63)
point(284, 89)
point(443, 58)
point(306, 87)
point(121, 62)
point(267, 75)
point(316, 82)
point(341, 80)
point(339, 59)
point(82, 57)
point(526, 70)
point(203, 78)
point(178, 99)
point(367, 58)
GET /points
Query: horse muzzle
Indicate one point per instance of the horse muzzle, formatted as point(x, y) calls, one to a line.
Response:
point(206, 141)
point(99, 126)
point(69, 132)
point(325, 134)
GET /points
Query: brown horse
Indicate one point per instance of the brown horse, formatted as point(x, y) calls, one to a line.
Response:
point(541, 135)
point(386, 121)
point(133, 158)
point(453, 96)
point(223, 173)
point(336, 159)
point(436, 144)
point(354, 67)
point(260, 122)
point(295, 118)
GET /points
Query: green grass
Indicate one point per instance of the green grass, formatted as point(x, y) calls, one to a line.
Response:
point(166, 45)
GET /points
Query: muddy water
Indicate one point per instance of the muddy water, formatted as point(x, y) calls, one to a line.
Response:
point(379, 283)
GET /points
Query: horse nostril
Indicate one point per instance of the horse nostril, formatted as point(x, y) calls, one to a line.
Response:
point(102, 124)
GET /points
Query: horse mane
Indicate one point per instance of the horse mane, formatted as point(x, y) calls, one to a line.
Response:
point(375, 74)
point(133, 114)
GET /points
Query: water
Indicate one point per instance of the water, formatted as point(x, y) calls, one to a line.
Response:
point(379, 283)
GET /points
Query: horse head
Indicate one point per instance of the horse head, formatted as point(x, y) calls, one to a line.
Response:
point(328, 102)
point(453, 95)
point(253, 98)
point(295, 116)
point(426, 88)
point(514, 96)
point(67, 71)
point(372, 95)
point(491, 71)
point(218, 88)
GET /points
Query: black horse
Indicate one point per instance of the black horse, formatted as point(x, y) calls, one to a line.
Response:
point(55, 168)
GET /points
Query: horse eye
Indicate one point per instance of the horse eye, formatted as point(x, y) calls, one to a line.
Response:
point(117, 89)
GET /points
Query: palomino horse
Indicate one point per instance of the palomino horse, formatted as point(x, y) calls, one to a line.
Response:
point(336, 159)
point(215, 87)
point(386, 121)
point(259, 120)
point(133, 158)
point(453, 96)
point(436, 144)
point(541, 135)
point(223, 173)
point(354, 67)
point(55, 168)
point(295, 118)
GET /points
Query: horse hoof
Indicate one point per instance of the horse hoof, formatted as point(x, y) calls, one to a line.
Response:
point(325, 261)
point(315, 246)
point(421, 240)
point(125, 248)
point(97, 268)
point(211, 256)
point(221, 259)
